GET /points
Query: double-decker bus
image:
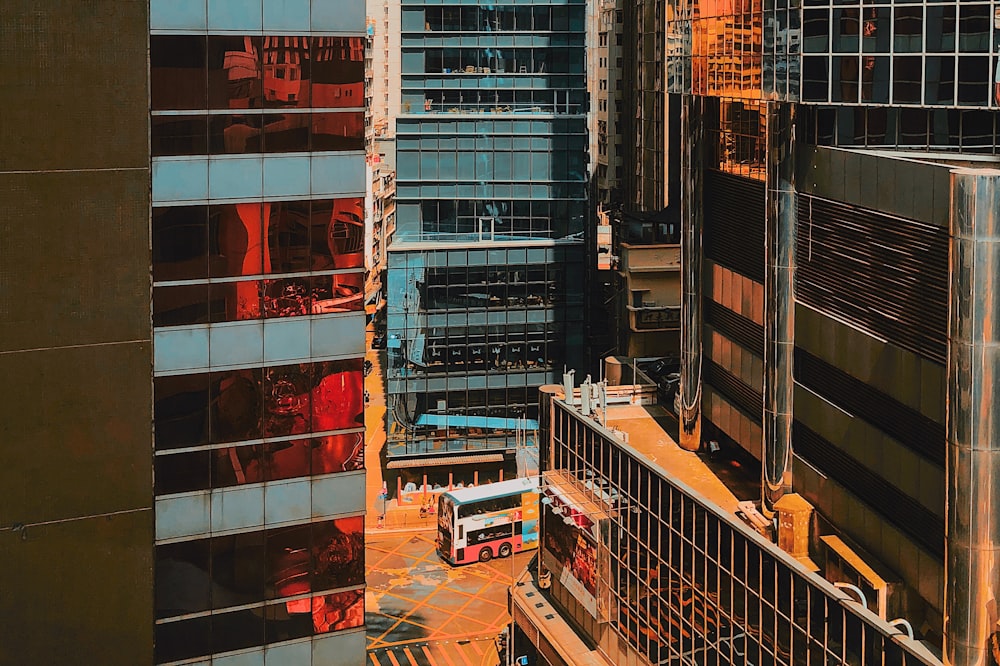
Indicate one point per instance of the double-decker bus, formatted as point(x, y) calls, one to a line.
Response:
point(492, 520)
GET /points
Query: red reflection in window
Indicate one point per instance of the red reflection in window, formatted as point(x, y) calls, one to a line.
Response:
point(287, 460)
point(286, 71)
point(286, 132)
point(287, 232)
point(337, 397)
point(337, 293)
point(288, 297)
point(338, 453)
point(287, 400)
point(338, 234)
point(234, 134)
point(337, 72)
point(338, 553)
point(234, 301)
point(234, 72)
point(342, 610)
point(288, 561)
point(236, 242)
point(236, 465)
point(338, 131)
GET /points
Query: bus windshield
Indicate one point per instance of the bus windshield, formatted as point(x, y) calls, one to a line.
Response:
point(492, 520)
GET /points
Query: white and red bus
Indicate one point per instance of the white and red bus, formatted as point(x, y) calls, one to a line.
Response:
point(492, 520)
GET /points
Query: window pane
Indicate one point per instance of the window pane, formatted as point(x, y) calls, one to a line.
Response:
point(338, 553)
point(236, 405)
point(182, 579)
point(286, 132)
point(237, 465)
point(177, 72)
point(234, 72)
point(337, 400)
point(338, 131)
point(180, 243)
point(180, 305)
point(238, 573)
point(286, 71)
point(342, 610)
point(180, 410)
point(178, 135)
point(182, 472)
point(337, 234)
point(338, 453)
point(235, 239)
point(234, 134)
point(287, 400)
point(288, 562)
point(337, 72)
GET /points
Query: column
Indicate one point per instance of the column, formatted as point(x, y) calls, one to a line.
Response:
point(972, 537)
point(779, 303)
point(692, 162)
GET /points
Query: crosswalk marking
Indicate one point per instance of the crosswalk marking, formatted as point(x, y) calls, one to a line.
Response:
point(430, 657)
point(481, 652)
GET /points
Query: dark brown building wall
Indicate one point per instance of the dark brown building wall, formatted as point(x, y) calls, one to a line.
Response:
point(76, 501)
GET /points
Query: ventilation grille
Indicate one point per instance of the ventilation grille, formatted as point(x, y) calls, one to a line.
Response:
point(734, 223)
point(747, 399)
point(744, 332)
point(895, 506)
point(918, 433)
point(886, 275)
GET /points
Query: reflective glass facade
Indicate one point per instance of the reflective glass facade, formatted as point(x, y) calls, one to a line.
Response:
point(484, 285)
point(257, 138)
point(662, 575)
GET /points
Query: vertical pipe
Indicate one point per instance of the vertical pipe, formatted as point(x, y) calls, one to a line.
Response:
point(693, 137)
point(972, 537)
point(779, 303)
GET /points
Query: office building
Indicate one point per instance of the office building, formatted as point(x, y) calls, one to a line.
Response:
point(484, 288)
point(642, 559)
point(190, 395)
point(838, 167)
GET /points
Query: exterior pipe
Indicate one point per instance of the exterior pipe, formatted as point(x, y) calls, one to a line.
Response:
point(779, 304)
point(693, 129)
point(972, 470)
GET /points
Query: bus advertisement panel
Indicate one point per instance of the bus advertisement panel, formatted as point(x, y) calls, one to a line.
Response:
point(493, 520)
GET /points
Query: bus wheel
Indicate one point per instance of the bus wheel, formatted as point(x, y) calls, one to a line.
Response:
point(485, 555)
point(504, 550)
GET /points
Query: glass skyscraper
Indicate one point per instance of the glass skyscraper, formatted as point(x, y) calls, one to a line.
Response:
point(257, 126)
point(485, 293)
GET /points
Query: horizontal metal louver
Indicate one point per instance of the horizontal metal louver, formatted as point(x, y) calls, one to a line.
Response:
point(733, 235)
point(744, 332)
point(912, 429)
point(748, 400)
point(886, 275)
point(895, 506)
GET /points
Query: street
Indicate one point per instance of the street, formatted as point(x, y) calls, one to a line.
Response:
point(422, 611)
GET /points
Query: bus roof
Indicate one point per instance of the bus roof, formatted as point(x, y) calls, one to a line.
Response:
point(499, 489)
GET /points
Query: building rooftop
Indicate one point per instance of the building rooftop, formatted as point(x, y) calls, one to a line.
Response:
point(647, 435)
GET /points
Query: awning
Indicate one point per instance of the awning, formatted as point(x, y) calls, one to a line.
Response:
point(460, 421)
point(437, 461)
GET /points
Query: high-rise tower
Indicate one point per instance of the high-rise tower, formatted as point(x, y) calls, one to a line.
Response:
point(484, 293)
